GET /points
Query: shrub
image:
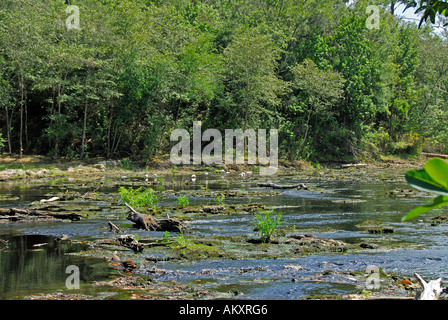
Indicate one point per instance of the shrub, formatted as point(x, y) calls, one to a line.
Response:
point(138, 198)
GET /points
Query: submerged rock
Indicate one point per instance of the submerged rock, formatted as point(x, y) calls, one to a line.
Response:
point(308, 243)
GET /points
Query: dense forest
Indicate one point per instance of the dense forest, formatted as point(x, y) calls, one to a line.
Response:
point(114, 79)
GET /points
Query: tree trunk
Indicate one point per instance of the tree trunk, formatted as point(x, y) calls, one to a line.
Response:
point(392, 7)
point(21, 84)
point(56, 143)
point(109, 129)
point(26, 121)
point(83, 139)
point(8, 128)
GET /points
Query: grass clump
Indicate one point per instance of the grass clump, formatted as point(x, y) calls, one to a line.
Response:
point(138, 198)
point(220, 199)
point(266, 223)
point(183, 201)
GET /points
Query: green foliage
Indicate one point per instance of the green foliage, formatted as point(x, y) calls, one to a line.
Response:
point(181, 240)
point(430, 9)
point(138, 198)
point(139, 69)
point(183, 201)
point(220, 199)
point(432, 178)
point(267, 224)
point(166, 237)
point(2, 142)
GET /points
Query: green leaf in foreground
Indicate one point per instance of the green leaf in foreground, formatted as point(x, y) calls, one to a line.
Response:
point(438, 202)
point(421, 180)
point(434, 179)
point(437, 169)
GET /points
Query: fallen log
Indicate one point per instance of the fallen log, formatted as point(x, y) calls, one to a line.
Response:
point(279, 186)
point(148, 222)
point(433, 155)
point(431, 290)
point(353, 165)
point(23, 212)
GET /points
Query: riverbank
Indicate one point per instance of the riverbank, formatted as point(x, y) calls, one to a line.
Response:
point(12, 167)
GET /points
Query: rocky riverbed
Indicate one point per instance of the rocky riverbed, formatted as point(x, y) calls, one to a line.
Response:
point(346, 219)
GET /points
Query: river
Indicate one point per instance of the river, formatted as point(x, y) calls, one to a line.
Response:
point(336, 202)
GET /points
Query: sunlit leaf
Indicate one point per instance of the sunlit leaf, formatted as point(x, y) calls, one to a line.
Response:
point(437, 169)
point(438, 202)
point(420, 180)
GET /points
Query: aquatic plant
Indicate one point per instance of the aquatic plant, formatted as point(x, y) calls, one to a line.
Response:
point(166, 237)
point(181, 241)
point(433, 178)
point(267, 224)
point(138, 198)
point(183, 201)
point(220, 199)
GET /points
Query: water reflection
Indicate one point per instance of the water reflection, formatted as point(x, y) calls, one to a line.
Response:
point(37, 263)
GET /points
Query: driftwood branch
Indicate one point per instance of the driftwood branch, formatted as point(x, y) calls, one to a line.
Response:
point(279, 186)
point(50, 200)
point(431, 289)
point(353, 165)
point(114, 228)
point(148, 222)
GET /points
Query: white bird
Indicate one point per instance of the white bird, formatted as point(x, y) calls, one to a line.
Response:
point(193, 177)
point(146, 177)
point(206, 174)
point(227, 173)
point(242, 174)
point(222, 171)
point(248, 172)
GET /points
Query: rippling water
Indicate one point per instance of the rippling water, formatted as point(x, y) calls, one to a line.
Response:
point(336, 204)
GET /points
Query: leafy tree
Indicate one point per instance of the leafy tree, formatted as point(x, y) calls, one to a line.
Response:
point(251, 62)
point(317, 93)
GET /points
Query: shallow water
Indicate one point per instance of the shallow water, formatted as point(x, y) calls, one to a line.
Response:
point(336, 204)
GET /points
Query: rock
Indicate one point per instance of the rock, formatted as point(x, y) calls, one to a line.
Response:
point(213, 209)
point(308, 243)
point(219, 166)
point(129, 265)
point(43, 172)
point(293, 267)
point(366, 245)
point(99, 166)
point(31, 173)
